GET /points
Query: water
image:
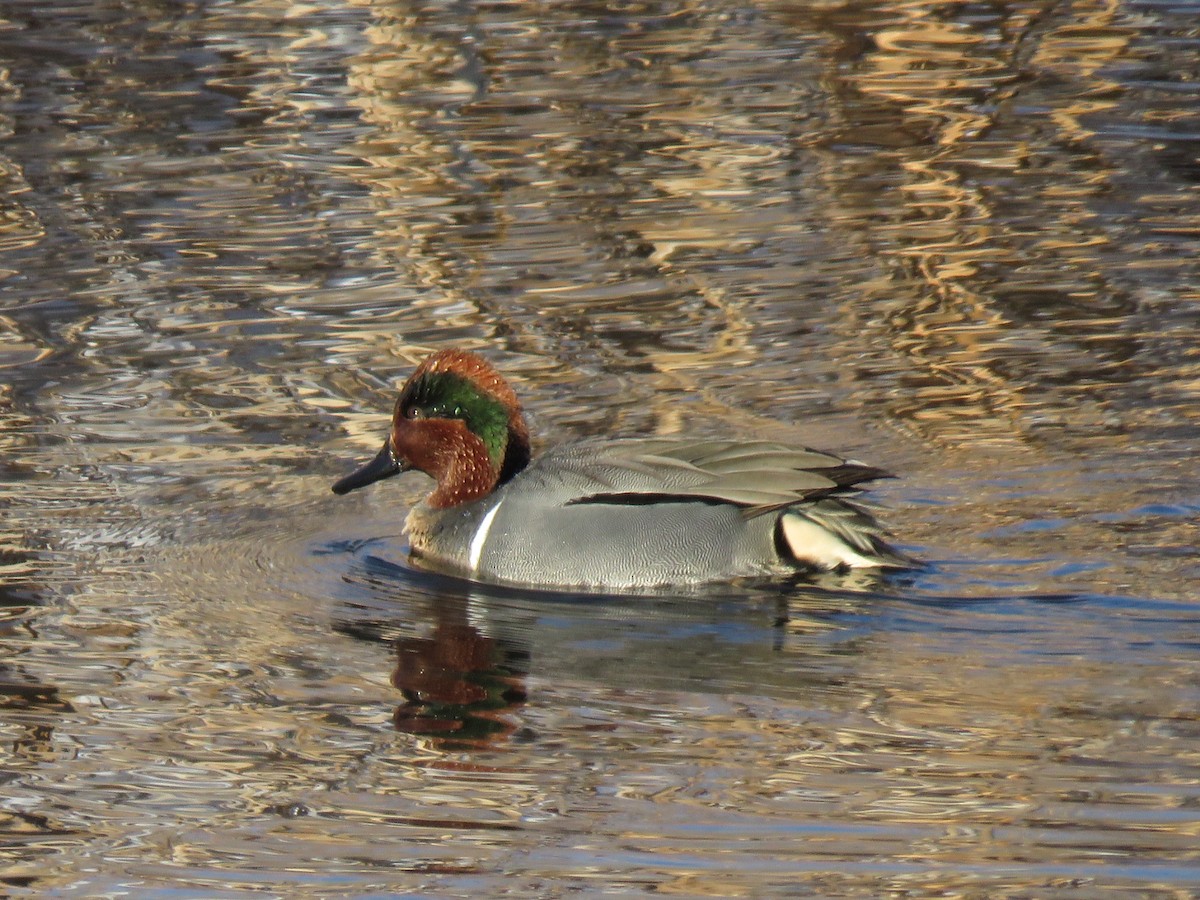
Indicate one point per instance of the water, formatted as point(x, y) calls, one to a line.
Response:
point(959, 242)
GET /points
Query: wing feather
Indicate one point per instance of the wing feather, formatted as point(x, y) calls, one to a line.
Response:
point(759, 476)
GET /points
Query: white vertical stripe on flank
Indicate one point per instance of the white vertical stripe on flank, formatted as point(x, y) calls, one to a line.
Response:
point(480, 538)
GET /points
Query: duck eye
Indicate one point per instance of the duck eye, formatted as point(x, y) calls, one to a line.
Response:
point(414, 412)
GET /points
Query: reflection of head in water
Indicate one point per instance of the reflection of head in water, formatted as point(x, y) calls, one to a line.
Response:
point(458, 684)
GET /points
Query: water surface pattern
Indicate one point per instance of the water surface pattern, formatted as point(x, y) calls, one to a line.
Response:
point(959, 241)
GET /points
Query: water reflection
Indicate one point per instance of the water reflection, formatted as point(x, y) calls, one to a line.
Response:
point(965, 258)
point(457, 680)
point(464, 653)
point(460, 686)
point(958, 242)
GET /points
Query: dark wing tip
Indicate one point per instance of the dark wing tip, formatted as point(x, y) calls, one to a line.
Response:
point(848, 474)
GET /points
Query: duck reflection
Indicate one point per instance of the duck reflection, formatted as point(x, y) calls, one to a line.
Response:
point(465, 653)
point(459, 685)
point(460, 671)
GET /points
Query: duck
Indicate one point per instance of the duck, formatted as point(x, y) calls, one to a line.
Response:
point(617, 514)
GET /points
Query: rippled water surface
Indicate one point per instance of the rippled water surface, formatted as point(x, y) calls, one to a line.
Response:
point(959, 241)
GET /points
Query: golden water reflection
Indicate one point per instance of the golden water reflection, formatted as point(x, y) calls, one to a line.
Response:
point(957, 242)
point(456, 682)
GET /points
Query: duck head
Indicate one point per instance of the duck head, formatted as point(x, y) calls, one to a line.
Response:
point(458, 421)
